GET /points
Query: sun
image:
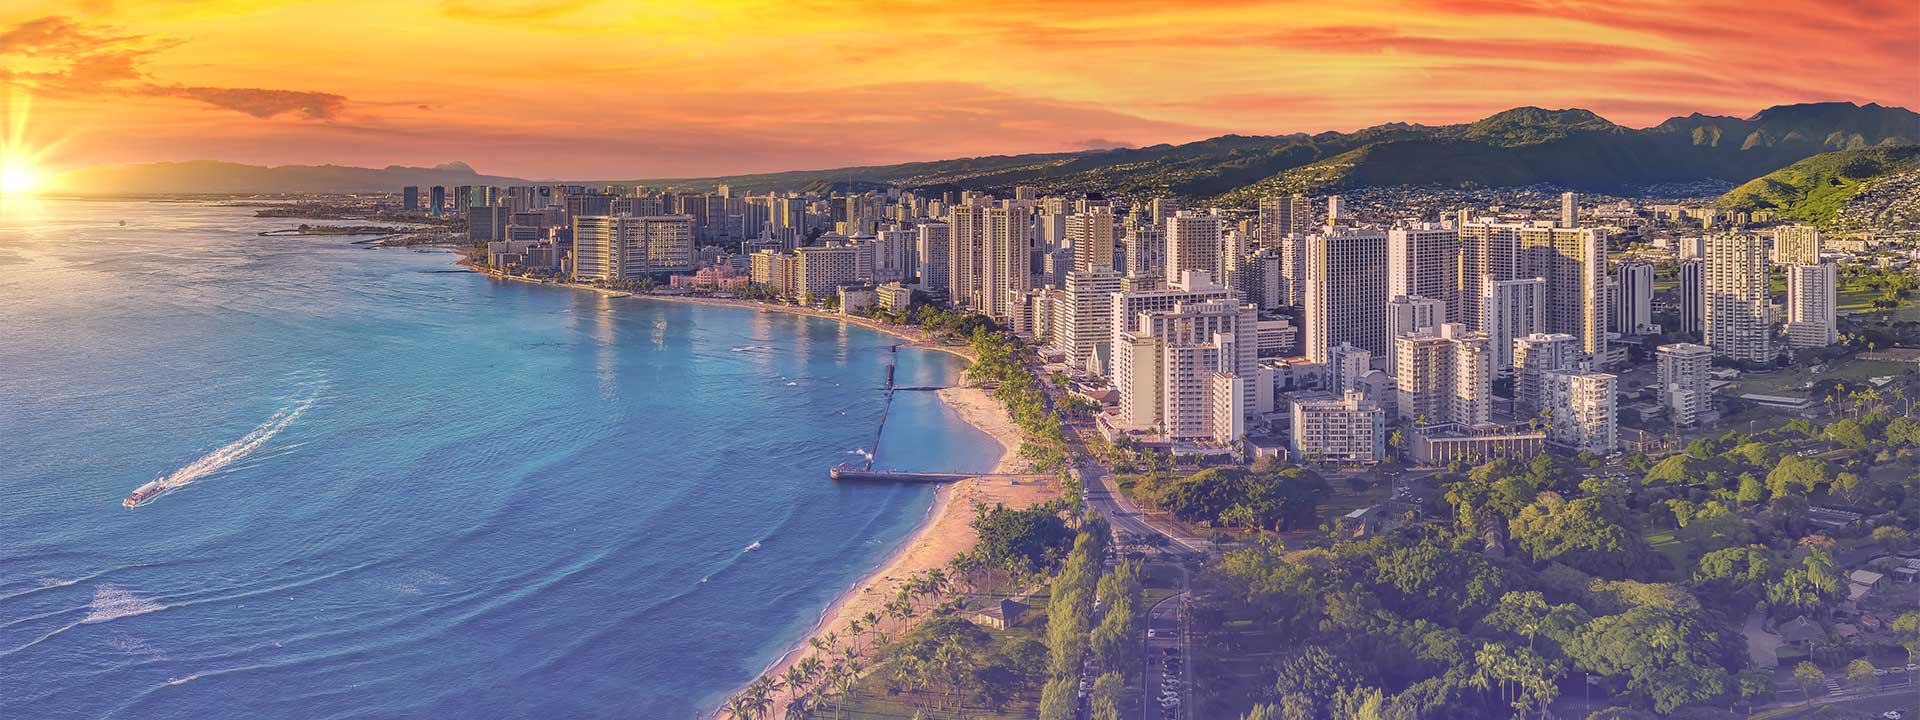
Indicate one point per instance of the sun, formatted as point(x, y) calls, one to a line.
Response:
point(18, 178)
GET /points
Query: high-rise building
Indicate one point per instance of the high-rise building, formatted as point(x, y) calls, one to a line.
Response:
point(1533, 356)
point(1344, 429)
point(1165, 367)
point(1282, 216)
point(1512, 309)
point(1345, 365)
point(1580, 410)
point(1146, 246)
point(487, 222)
point(1488, 250)
point(622, 247)
point(1736, 294)
point(1574, 263)
point(1092, 236)
point(1163, 208)
point(1811, 305)
point(1693, 248)
point(593, 248)
point(410, 198)
point(1194, 243)
point(1569, 210)
point(1424, 260)
point(1635, 315)
point(1084, 320)
point(1257, 279)
point(1346, 298)
point(935, 254)
point(1444, 377)
point(1293, 268)
point(966, 247)
point(1683, 381)
point(1693, 296)
point(1007, 260)
point(1194, 287)
point(891, 248)
point(1335, 210)
point(437, 200)
point(1407, 315)
point(1796, 245)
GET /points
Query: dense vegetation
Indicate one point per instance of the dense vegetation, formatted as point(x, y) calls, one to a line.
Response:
point(1266, 496)
point(1816, 188)
point(1540, 575)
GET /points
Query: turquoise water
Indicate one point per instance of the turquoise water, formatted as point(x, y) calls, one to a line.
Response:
point(407, 491)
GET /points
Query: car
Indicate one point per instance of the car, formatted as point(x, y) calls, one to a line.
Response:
point(1892, 715)
point(1152, 633)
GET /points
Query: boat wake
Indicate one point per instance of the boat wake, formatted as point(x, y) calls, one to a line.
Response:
point(223, 457)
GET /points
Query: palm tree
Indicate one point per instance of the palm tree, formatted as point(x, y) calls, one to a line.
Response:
point(796, 681)
point(739, 707)
point(937, 583)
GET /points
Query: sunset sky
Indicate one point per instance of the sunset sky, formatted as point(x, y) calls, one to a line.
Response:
point(581, 89)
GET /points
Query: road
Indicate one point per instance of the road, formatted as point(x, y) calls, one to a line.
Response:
point(1166, 622)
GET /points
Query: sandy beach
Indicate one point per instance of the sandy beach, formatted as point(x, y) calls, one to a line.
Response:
point(913, 335)
point(947, 530)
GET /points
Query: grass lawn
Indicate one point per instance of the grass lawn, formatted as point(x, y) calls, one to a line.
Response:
point(1680, 554)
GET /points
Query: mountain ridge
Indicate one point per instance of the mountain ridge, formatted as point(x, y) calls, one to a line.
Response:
point(1571, 147)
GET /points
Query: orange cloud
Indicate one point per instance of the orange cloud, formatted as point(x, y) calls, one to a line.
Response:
point(615, 89)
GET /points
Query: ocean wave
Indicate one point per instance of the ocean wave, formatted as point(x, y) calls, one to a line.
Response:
point(110, 603)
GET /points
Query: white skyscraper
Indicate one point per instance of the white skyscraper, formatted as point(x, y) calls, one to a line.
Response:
point(1085, 320)
point(1424, 260)
point(1736, 297)
point(1574, 263)
point(1092, 235)
point(1811, 305)
point(1512, 309)
point(1006, 258)
point(1407, 315)
point(1194, 243)
point(1796, 245)
point(1569, 210)
point(1345, 365)
point(934, 253)
point(1444, 377)
point(1346, 299)
point(1683, 381)
point(1533, 356)
point(1580, 410)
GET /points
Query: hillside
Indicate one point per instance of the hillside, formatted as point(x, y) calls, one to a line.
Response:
point(1572, 148)
point(1820, 189)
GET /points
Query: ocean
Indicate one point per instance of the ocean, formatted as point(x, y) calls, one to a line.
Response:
point(409, 491)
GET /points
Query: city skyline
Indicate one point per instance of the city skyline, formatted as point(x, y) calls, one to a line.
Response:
point(738, 87)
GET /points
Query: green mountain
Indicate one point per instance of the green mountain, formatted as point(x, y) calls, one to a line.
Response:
point(1573, 148)
point(1820, 189)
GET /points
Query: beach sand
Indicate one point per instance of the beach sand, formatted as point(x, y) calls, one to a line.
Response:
point(946, 532)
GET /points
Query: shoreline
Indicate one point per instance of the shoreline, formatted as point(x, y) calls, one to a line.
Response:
point(946, 529)
point(914, 337)
point(943, 531)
